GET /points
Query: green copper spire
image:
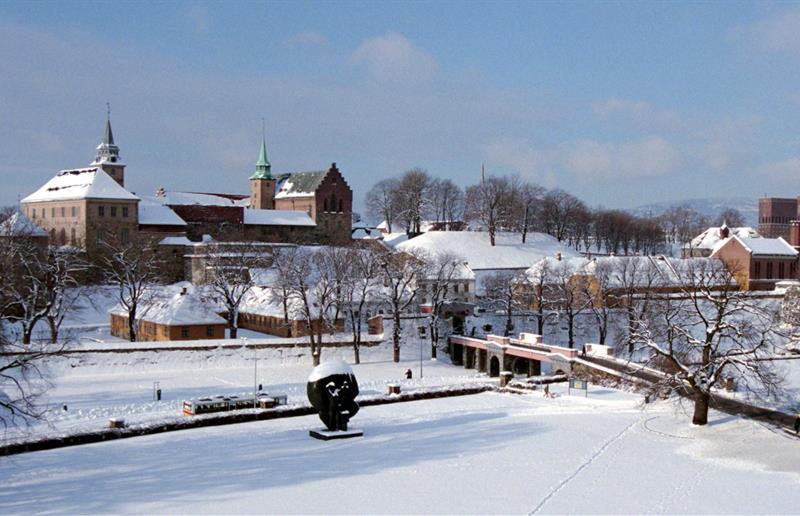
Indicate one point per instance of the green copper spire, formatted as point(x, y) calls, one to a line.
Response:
point(263, 168)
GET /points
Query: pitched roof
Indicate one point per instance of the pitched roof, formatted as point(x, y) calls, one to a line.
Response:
point(277, 218)
point(176, 308)
point(709, 238)
point(20, 225)
point(299, 184)
point(81, 183)
point(200, 198)
point(157, 214)
point(768, 246)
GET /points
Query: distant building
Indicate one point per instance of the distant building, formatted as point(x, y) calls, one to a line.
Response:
point(759, 263)
point(775, 215)
point(706, 242)
point(182, 316)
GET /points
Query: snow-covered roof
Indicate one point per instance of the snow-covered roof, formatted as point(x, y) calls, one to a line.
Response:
point(277, 218)
point(474, 247)
point(196, 198)
point(81, 183)
point(768, 246)
point(154, 213)
point(20, 225)
point(176, 240)
point(174, 307)
point(298, 184)
point(393, 239)
point(711, 237)
point(638, 271)
point(360, 230)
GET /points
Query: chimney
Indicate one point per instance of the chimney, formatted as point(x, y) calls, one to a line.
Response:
point(558, 255)
point(724, 231)
point(183, 291)
point(794, 234)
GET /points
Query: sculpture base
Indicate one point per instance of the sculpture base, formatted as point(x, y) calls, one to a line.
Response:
point(327, 435)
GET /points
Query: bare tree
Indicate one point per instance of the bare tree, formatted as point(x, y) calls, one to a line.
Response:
point(400, 272)
point(565, 293)
point(381, 201)
point(559, 210)
point(634, 279)
point(436, 279)
point(446, 202)
point(534, 287)
point(527, 197)
point(359, 288)
point(133, 269)
point(490, 202)
point(228, 272)
point(731, 217)
point(412, 199)
point(502, 290)
point(597, 289)
point(712, 331)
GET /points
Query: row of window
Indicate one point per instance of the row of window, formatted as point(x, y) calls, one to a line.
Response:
point(60, 237)
point(770, 269)
point(112, 211)
point(74, 211)
point(776, 220)
point(331, 205)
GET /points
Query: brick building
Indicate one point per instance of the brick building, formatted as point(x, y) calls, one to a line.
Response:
point(775, 215)
point(759, 263)
point(83, 207)
point(182, 316)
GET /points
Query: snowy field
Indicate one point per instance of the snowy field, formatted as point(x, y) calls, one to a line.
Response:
point(487, 453)
point(99, 386)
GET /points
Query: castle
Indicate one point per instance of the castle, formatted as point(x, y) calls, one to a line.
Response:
point(85, 206)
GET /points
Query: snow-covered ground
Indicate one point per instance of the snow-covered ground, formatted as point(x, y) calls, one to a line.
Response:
point(98, 386)
point(488, 453)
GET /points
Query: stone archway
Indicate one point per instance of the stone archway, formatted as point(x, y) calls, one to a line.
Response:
point(521, 366)
point(494, 367)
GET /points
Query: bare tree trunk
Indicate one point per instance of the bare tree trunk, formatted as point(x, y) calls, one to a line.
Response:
point(131, 328)
point(51, 323)
point(571, 331)
point(396, 336)
point(701, 403)
point(26, 334)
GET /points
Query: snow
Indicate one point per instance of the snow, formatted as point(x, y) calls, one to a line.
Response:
point(177, 309)
point(175, 240)
point(488, 453)
point(768, 246)
point(155, 213)
point(474, 247)
point(277, 218)
point(205, 199)
point(330, 368)
point(83, 183)
point(393, 239)
point(710, 238)
point(20, 225)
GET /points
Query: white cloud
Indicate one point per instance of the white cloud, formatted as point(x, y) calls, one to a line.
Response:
point(517, 154)
point(393, 57)
point(307, 38)
point(637, 113)
point(646, 157)
point(785, 169)
point(779, 32)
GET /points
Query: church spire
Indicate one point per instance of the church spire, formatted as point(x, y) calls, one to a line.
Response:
point(263, 168)
point(107, 151)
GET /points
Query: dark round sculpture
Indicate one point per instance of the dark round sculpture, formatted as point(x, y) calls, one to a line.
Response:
point(332, 389)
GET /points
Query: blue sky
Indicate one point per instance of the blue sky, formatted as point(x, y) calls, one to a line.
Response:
point(619, 103)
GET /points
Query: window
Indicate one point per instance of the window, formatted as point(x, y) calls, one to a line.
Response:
point(113, 211)
point(124, 236)
point(101, 211)
point(780, 270)
point(52, 213)
point(340, 206)
point(466, 287)
point(34, 213)
point(63, 211)
point(72, 237)
point(757, 272)
point(184, 332)
point(74, 211)
point(209, 331)
point(325, 205)
point(769, 270)
point(125, 211)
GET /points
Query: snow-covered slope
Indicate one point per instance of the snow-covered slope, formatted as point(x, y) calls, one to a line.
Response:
point(474, 247)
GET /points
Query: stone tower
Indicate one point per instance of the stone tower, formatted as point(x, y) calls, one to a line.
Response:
point(108, 156)
point(262, 184)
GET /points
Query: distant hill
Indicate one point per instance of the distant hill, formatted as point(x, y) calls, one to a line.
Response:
point(710, 207)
